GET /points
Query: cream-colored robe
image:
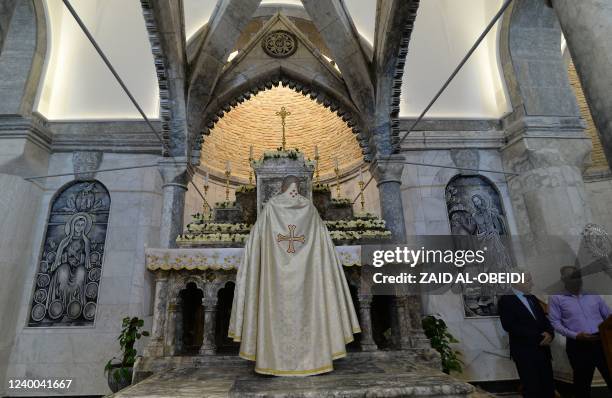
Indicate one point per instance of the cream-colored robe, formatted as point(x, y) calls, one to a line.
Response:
point(292, 312)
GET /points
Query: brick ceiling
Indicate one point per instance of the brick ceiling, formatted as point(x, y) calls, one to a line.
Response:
point(254, 122)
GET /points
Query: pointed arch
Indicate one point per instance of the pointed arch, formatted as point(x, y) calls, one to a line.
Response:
point(237, 91)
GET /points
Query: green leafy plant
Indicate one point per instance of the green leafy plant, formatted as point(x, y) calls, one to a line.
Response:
point(441, 340)
point(131, 331)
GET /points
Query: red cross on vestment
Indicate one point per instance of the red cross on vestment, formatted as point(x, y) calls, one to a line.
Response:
point(291, 238)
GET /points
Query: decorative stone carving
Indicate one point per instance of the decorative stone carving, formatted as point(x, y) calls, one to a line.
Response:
point(271, 171)
point(466, 158)
point(475, 209)
point(70, 266)
point(279, 44)
point(85, 164)
point(597, 240)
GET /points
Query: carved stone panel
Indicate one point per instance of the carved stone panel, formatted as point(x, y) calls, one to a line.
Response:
point(279, 44)
point(475, 210)
point(70, 266)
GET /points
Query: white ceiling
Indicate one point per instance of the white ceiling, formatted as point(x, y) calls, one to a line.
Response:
point(77, 85)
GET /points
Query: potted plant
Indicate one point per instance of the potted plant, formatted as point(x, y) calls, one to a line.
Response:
point(119, 373)
point(441, 339)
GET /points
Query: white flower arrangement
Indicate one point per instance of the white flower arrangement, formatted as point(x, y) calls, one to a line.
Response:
point(358, 224)
point(217, 228)
point(210, 238)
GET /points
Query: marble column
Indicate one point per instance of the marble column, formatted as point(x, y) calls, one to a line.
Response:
point(365, 306)
point(587, 27)
point(210, 317)
point(388, 176)
point(155, 348)
point(173, 327)
point(176, 174)
point(403, 323)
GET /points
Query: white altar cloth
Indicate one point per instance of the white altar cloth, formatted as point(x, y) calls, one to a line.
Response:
point(221, 258)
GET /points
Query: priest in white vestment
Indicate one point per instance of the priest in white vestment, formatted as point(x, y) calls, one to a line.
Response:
point(292, 311)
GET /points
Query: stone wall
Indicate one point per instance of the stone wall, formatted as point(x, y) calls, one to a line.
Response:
point(80, 353)
point(19, 203)
point(469, 144)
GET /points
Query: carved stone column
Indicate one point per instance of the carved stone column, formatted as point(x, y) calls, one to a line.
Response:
point(548, 194)
point(388, 176)
point(209, 346)
point(155, 348)
point(403, 325)
point(587, 27)
point(367, 341)
point(173, 326)
point(176, 174)
point(418, 339)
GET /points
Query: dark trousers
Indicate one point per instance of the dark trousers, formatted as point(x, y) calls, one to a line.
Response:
point(535, 371)
point(585, 356)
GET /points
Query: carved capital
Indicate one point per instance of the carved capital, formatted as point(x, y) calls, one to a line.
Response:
point(388, 169)
point(85, 164)
point(175, 171)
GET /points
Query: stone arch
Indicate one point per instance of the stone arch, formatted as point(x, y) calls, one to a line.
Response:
point(23, 55)
point(191, 327)
point(74, 240)
point(232, 93)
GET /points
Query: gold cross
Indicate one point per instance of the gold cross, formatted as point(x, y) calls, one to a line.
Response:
point(283, 114)
point(291, 238)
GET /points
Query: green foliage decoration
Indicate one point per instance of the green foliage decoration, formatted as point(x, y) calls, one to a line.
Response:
point(131, 331)
point(441, 340)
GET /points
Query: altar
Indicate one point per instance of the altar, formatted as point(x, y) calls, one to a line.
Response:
point(194, 282)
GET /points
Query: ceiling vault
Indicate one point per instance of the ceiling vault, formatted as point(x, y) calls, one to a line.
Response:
point(187, 90)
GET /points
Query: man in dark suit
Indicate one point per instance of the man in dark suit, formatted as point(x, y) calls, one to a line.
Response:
point(530, 336)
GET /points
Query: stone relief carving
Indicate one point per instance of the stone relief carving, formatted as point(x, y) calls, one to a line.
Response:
point(466, 158)
point(475, 210)
point(279, 44)
point(70, 267)
point(85, 164)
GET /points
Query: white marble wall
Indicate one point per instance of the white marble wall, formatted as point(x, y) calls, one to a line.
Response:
point(79, 353)
point(483, 342)
point(19, 201)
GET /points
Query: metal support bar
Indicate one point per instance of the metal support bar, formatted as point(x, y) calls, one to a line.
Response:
point(467, 56)
point(79, 21)
point(93, 42)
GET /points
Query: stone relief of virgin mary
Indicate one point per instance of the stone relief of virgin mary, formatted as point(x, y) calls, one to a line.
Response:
point(70, 265)
point(69, 270)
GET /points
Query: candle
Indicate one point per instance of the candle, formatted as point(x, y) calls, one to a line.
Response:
point(360, 175)
point(316, 151)
point(336, 163)
point(206, 178)
point(228, 166)
point(251, 152)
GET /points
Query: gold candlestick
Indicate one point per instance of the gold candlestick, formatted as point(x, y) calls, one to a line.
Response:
point(361, 186)
point(206, 207)
point(251, 165)
point(227, 177)
point(337, 171)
